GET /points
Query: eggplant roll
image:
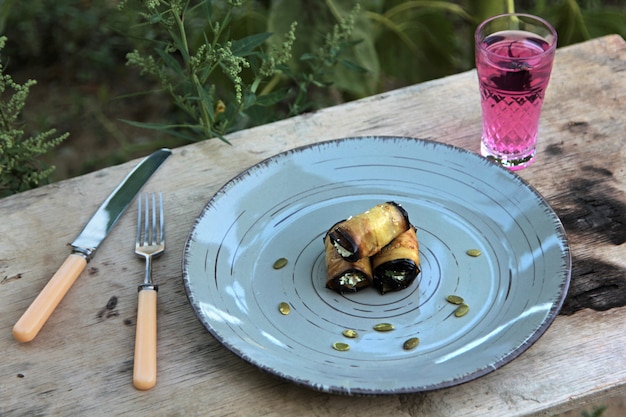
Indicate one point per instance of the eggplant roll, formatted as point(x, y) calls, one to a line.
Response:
point(365, 234)
point(397, 265)
point(344, 276)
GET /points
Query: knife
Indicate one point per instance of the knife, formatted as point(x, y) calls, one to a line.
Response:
point(84, 247)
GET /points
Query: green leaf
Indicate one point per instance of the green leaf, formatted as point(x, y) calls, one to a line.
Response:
point(247, 45)
point(169, 61)
point(153, 126)
point(308, 57)
point(249, 100)
point(272, 98)
point(352, 66)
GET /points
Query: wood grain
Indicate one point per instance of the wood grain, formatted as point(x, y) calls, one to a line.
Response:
point(81, 362)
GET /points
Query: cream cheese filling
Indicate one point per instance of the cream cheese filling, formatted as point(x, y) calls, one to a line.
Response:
point(341, 250)
point(350, 279)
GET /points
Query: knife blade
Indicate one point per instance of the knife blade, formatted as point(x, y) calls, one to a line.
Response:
point(84, 247)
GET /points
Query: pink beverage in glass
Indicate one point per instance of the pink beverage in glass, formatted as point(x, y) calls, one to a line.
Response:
point(514, 55)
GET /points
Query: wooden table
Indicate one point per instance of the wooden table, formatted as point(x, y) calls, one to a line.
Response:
point(81, 362)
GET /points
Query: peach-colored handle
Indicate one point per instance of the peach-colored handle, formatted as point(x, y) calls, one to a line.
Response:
point(145, 368)
point(33, 319)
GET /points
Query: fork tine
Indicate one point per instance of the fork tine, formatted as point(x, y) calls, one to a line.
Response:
point(146, 225)
point(153, 230)
point(161, 239)
point(138, 240)
point(149, 230)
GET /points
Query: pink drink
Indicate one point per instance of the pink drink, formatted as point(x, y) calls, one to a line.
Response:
point(513, 70)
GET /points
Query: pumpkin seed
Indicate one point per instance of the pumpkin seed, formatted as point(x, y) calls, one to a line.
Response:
point(284, 308)
point(384, 327)
point(461, 310)
point(280, 262)
point(340, 346)
point(455, 299)
point(411, 343)
point(350, 333)
point(473, 252)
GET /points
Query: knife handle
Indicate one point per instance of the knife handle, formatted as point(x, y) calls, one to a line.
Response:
point(145, 367)
point(33, 319)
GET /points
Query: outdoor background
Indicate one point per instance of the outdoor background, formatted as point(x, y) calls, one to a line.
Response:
point(76, 51)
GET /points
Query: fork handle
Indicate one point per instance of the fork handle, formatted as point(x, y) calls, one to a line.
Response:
point(145, 367)
point(33, 319)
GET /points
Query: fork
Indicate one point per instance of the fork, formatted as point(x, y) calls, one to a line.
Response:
point(150, 243)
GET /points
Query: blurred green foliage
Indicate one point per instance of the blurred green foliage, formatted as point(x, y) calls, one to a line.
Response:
point(19, 170)
point(393, 43)
point(80, 40)
point(401, 41)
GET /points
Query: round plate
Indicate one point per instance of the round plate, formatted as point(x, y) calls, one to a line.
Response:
point(282, 207)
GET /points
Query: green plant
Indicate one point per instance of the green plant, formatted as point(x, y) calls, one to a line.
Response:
point(220, 83)
point(19, 168)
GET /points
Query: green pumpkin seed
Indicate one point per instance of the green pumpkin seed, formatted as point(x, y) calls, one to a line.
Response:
point(350, 333)
point(473, 252)
point(284, 308)
point(411, 343)
point(455, 299)
point(340, 346)
point(280, 262)
point(461, 310)
point(384, 327)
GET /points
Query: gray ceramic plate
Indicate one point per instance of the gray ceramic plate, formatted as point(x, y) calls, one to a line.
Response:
point(282, 207)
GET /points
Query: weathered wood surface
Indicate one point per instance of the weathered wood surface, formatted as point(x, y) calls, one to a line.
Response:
point(81, 362)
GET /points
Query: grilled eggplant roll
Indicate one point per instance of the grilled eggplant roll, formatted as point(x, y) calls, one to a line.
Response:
point(397, 265)
point(365, 234)
point(344, 276)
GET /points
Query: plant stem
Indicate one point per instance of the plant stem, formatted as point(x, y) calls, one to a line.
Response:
point(510, 6)
point(271, 84)
point(207, 122)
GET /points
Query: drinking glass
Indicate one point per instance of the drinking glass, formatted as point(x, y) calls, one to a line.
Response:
point(514, 56)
